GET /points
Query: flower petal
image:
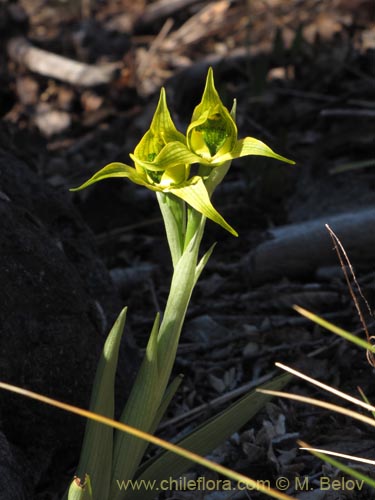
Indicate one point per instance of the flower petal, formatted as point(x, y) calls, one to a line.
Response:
point(250, 146)
point(212, 131)
point(162, 131)
point(174, 153)
point(194, 192)
point(117, 169)
point(162, 122)
point(210, 97)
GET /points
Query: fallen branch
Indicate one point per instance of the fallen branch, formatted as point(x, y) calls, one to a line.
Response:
point(59, 67)
point(298, 250)
point(161, 9)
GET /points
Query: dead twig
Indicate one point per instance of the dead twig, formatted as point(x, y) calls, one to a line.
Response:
point(340, 250)
point(55, 66)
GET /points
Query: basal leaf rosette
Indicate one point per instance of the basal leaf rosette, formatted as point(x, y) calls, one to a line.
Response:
point(162, 164)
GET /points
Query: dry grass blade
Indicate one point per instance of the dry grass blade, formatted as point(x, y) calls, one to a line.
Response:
point(321, 404)
point(325, 456)
point(326, 387)
point(341, 455)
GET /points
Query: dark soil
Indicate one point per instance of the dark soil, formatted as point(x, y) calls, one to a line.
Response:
point(303, 77)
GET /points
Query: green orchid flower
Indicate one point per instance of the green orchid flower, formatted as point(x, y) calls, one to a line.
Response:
point(170, 177)
point(211, 137)
point(163, 158)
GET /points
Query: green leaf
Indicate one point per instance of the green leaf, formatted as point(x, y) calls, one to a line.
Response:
point(97, 448)
point(194, 192)
point(344, 468)
point(220, 469)
point(172, 209)
point(251, 146)
point(81, 490)
point(335, 329)
point(206, 437)
point(167, 398)
point(355, 165)
point(202, 263)
point(365, 399)
point(140, 412)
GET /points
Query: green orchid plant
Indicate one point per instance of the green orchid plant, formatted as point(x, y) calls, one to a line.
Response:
point(162, 163)
point(163, 157)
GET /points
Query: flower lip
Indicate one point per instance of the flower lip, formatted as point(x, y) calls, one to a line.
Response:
point(213, 137)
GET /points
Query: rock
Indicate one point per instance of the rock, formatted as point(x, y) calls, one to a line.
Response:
point(51, 121)
point(57, 305)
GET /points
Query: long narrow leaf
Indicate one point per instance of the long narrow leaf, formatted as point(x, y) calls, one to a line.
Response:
point(172, 228)
point(366, 401)
point(202, 263)
point(139, 411)
point(220, 469)
point(339, 465)
point(206, 437)
point(355, 165)
point(334, 329)
point(153, 377)
point(168, 396)
point(97, 448)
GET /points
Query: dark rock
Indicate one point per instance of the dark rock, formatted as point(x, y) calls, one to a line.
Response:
point(57, 304)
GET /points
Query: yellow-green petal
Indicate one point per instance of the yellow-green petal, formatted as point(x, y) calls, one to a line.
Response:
point(174, 153)
point(210, 97)
point(162, 131)
point(194, 192)
point(162, 122)
point(250, 146)
point(212, 131)
point(174, 176)
point(117, 170)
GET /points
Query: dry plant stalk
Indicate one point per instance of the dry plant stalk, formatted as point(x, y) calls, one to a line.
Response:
point(343, 258)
